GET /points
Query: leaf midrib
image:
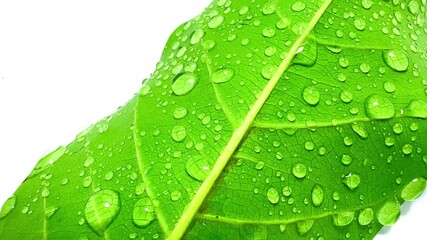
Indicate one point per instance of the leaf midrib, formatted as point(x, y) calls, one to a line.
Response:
point(238, 135)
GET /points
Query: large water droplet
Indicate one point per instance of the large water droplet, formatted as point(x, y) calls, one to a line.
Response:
point(304, 226)
point(346, 159)
point(343, 218)
point(311, 95)
point(273, 195)
point(379, 107)
point(298, 6)
point(346, 96)
point(180, 112)
point(317, 195)
point(184, 83)
point(414, 189)
point(367, 4)
point(299, 170)
point(101, 209)
point(352, 181)
point(268, 71)
point(178, 133)
point(359, 24)
point(143, 212)
point(389, 213)
point(8, 207)
point(417, 108)
point(366, 216)
point(222, 75)
point(396, 60)
point(198, 167)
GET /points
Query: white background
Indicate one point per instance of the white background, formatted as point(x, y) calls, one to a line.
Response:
point(66, 64)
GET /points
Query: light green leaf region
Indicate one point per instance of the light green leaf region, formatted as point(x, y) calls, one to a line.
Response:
point(277, 119)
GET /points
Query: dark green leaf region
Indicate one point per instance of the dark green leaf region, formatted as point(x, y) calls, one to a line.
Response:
point(281, 119)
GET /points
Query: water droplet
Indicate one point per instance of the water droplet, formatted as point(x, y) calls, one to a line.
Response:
point(287, 191)
point(268, 32)
point(145, 90)
point(413, 7)
point(365, 68)
point(397, 128)
point(309, 146)
point(45, 193)
point(414, 189)
point(389, 87)
point(346, 159)
point(222, 75)
point(352, 181)
point(389, 141)
point(47, 161)
point(87, 181)
point(407, 149)
point(215, 21)
point(311, 95)
point(346, 96)
point(268, 71)
point(270, 51)
point(101, 209)
point(196, 36)
point(299, 170)
point(259, 165)
point(50, 211)
point(198, 167)
point(298, 6)
point(176, 195)
point(396, 60)
point(273, 195)
point(184, 83)
point(304, 226)
point(360, 129)
point(343, 218)
point(388, 214)
point(178, 133)
point(379, 107)
point(143, 212)
point(366, 216)
point(180, 112)
point(317, 195)
point(336, 196)
point(268, 8)
point(367, 4)
point(8, 207)
point(89, 161)
point(359, 24)
point(417, 108)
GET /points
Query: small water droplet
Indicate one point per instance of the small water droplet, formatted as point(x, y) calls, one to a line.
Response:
point(336, 196)
point(259, 165)
point(343, 218)
point(352, 181)
point(311, 95)
point(8, 207)
point(45, 193)
point(50, 211)
point(360, 129)
point(268, 32)
point(396, 60)
point(184, 83)
point(196, 36)
point(176, 195)
point(273, 195)
point(304, 226)
point(398, 128)
point(379, 107)
point(367, 4)
point(366, 216)
point(346, 159)
point(268, 71)
point(101, 209)
point(407, 149)
point(178, 133)
point(359, 24)
point(317, 195)
point(414, 189)
point(89, 161)
point(269, 8)
point(143, 212)
point(299, 170)
point(198, 167)
point(389, 87)
point(388, 214)
point(346, 96)
point(215, 21)
point(222, 75)
point(180, 112)
point(287, 191)
point(298, 6)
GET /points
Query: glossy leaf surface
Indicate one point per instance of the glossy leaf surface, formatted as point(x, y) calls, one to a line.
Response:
point(265, 119)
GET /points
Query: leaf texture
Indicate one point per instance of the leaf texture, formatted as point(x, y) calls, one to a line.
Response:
point(263, 120)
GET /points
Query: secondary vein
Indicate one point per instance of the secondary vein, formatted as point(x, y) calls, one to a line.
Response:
point(238, 135)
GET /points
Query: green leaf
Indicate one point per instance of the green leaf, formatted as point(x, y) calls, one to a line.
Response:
point(275, 119)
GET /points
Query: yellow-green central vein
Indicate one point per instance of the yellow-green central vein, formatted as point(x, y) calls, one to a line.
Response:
point(238, 135)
